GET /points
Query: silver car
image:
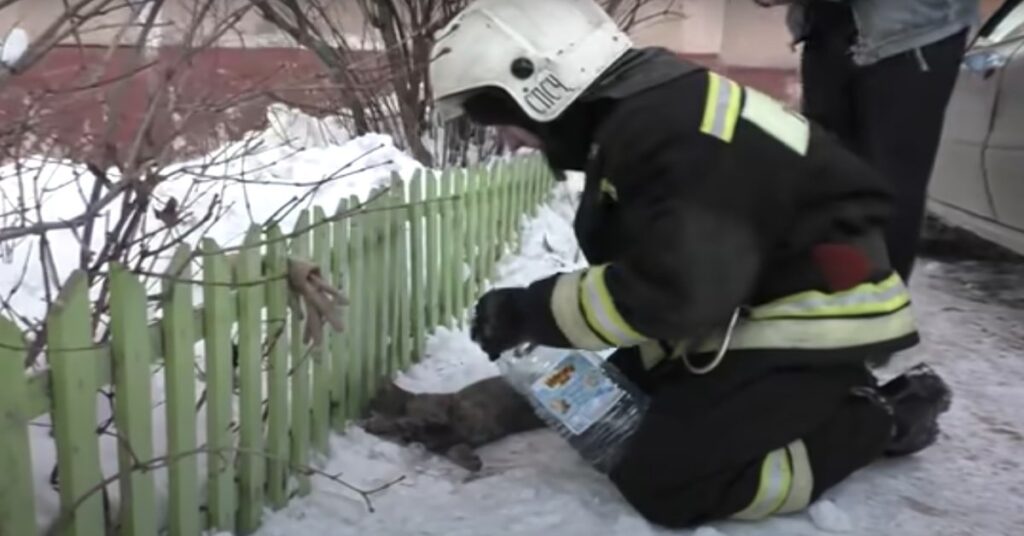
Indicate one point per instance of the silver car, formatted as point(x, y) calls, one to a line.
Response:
point(978, 182)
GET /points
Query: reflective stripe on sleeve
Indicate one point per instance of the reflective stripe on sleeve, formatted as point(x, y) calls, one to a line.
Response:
point(802, 485)
point(601, 313)
point(864, 299)
point(722, 108)
point(773, 487)
point(565, 307)
point(816, 333)
point(786, 126)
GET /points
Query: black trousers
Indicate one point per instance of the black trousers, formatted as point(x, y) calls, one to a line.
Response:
point(700, 453)
point(890, 112)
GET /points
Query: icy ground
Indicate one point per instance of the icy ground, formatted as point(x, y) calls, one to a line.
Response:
point(970, 483)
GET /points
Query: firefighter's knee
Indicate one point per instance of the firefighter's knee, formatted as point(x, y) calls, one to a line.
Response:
point(673, 509)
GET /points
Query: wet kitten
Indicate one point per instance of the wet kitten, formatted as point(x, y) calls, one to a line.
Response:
point(452, 424)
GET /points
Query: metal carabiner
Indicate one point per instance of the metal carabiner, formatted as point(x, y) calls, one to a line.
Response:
point(721, 350)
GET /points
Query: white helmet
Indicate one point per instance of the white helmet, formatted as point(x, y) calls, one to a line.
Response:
point(543, 53)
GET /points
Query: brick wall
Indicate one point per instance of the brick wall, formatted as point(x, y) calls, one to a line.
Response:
point(216, 95)
point(92, 106)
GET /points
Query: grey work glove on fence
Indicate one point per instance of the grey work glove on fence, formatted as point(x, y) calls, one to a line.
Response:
point(321, 300)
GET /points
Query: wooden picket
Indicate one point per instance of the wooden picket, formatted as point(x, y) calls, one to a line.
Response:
point(341, 343)
point(179, 369)
point(321, 352)
point(69, 340)
point(417, 263)
point(219, 316)
point(276, 347)
point(410, 258)
point(359, 319)
point(17, 498)
point(300, 414)
point(132, 376)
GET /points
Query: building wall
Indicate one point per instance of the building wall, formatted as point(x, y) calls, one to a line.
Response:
point(173, 22)
point(735, 37)
point(689, 26)
point(754, 36)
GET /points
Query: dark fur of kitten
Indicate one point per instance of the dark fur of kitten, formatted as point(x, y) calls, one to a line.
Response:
point(452, 425)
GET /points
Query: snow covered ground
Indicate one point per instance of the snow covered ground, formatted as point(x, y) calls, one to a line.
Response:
point(970, 483)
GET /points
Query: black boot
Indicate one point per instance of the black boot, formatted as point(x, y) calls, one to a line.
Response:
point(917, 398)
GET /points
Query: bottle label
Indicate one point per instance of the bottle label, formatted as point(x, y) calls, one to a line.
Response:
point(577, 392)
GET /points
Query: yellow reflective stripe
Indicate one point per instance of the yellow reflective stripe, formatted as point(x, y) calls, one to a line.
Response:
point(601, 313)
point(803, 479)
point(864, 299)
point(721, 108)
point(565, 307)
point(711, 104)
point(790, 128)
point(773, 487)
point(817, 333)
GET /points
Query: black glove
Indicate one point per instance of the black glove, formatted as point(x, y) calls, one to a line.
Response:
point(500, 321)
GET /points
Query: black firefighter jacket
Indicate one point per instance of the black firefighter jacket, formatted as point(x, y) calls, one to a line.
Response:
point(711, 215)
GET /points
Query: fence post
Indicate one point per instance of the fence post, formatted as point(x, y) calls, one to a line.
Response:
point(321, 352)
point(402, 301)
point(219, 317)
point(476, 194)
point(386, 286)
point(372, 289)
point(505, 196)
point(251, 289)
point(535, 186)
point(468, 206)
point(417, 264)
point(341, 349)
point(179, 358)
point(299, 451)
point(17, 496)
point(433, 255)
point(518, 204)
point(132, 354)
point(276, 338)
point(447, 249)
point(459, 257)
point(359, 340)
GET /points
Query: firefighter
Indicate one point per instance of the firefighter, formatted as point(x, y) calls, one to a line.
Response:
point(735, 262)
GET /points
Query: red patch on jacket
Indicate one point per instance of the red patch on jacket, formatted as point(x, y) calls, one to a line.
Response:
point(843, 266)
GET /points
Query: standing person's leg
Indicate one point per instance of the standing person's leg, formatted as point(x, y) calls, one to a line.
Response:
point(827, 71)
point(902, 104)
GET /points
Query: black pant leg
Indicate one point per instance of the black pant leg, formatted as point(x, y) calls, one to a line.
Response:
point(826, 72)
point(902, 105)
point(853, 438)
point(709, 444)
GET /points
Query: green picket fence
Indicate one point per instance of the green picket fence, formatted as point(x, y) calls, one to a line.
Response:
point(412, 257)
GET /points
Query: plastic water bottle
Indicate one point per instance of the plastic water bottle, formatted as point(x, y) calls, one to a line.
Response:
point(581, 396)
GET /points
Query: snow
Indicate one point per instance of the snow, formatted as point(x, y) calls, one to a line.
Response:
point(253, 178)
point(969, 483)
point(828, 517)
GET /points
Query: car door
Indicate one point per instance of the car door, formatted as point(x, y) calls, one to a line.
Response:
point(958, 178)
point(1004, 148)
